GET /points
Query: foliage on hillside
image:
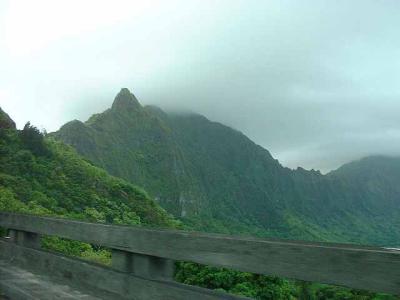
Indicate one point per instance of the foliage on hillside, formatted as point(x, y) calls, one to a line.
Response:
point(46, 177)
point(50, 178)
point(267, 287)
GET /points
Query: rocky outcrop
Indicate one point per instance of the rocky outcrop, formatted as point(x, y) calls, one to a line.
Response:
point(5, 121)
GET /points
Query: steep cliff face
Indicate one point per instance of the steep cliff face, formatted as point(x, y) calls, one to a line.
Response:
point(132, 143)
point(217, 179)
point(190, 165)
point(376, 181)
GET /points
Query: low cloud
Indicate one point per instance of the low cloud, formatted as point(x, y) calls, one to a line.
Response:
point(314, 82)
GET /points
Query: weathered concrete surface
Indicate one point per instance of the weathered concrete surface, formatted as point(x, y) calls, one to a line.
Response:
point(24, 238)
point(101, 281)
point(355, 266)
point(19, 284)
point(143, 265)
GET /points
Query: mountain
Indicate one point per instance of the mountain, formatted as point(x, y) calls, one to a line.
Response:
point(215, 178)
point(43, 176)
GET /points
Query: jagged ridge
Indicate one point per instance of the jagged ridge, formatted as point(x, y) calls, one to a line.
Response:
point(217, 179)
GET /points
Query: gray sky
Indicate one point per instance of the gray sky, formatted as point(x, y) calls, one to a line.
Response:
point(316, 82)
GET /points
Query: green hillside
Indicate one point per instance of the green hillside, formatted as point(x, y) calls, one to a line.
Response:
point(48, 177)
point(216, 179)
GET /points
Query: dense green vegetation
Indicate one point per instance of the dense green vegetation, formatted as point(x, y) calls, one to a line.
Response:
point(265, 287)
point(47, 177)
point(215, 179)
point(43, 176)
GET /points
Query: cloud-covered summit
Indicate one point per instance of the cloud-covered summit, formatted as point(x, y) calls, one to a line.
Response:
point(314, 82)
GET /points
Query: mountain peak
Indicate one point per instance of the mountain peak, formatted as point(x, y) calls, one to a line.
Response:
point(125, 100)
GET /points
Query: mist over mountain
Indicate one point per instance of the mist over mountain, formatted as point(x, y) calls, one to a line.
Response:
point(315, 83)
point(215, 178)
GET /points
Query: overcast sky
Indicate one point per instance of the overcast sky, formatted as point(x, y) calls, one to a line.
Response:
point(315, 82)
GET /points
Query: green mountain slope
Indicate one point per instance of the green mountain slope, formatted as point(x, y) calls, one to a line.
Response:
point(374, 176)
point(217, 179)
point(48, 177)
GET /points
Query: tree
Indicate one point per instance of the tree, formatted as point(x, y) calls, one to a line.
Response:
point(33, 139)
